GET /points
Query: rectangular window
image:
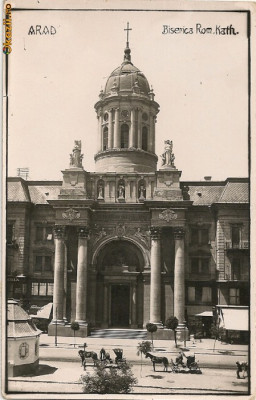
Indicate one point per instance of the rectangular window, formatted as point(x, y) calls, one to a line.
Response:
point(207, 295)
point(195, 265)
point(194, 236)
point(204, 236)
point(236, 269)
point(42, 289)
point(204, 265)
point(47, 263)
point(39, 233)
point(199, 236)
point(50, 289)
point(198, 298)
point(234, 296)
point(235, 236)
point(35, 288)
point(191, 294)
point(39, 263)
point(9, 233)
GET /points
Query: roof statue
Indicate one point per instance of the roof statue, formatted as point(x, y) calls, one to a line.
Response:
point(168, 156)
point(76, 157)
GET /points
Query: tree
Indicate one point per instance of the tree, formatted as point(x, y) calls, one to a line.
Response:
point(109, 381)
point(143, 348)
point(151, 328)
point(75, 327)
point(172, 323)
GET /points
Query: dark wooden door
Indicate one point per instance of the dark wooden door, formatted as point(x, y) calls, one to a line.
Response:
point(120, 305)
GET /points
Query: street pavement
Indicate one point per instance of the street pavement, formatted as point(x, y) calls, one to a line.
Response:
point(60, 367)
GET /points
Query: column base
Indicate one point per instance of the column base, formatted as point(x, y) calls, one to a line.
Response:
point(158, 324)
point(57, 322)
point(81, 322)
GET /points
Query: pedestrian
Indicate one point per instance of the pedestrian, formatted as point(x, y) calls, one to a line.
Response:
point(239, 369)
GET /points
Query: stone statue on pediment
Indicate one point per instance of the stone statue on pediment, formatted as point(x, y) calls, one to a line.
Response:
point(76, 157)
point(168, 156)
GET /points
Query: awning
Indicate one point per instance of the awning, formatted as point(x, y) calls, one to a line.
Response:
point(44, 312)
point(204, 314)
point(234, 318)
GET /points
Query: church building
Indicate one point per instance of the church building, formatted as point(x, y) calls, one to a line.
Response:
point(129, 243)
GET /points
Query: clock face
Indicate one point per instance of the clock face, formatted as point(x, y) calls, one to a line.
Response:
point(23, 350)
point(125, 113)
point(105, 117)
point(145, 116)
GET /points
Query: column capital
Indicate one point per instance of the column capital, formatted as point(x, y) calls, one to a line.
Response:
point(155, 232)
point(179, 233)
point(83, 232)
point(59, 231)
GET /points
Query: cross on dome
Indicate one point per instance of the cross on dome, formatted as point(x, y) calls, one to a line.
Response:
point(127, 30)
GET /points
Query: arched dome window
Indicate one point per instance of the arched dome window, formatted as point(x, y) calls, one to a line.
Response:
point(124, 136)
point(105, 138)
point(145, 138)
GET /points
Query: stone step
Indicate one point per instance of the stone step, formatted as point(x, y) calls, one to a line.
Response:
point(119, 333)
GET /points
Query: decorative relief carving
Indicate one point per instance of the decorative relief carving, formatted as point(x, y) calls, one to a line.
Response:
point(168, 215)
point(120, 230)
point(71, 214)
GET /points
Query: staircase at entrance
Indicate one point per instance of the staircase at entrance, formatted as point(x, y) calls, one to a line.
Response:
point(119, 333)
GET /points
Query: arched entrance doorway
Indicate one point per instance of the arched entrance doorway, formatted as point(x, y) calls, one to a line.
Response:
point(119, 285)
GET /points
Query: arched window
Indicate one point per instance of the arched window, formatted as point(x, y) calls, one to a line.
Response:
point(124, 136)
point(144, 138)
point(105, 138)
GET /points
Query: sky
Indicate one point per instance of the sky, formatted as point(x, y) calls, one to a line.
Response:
point(200, 82)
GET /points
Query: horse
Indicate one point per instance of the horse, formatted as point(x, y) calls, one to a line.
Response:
point(87, 354)
point(158, 360)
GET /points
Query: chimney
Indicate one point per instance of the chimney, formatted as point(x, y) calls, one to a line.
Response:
point(23, 173)
point(208, 178)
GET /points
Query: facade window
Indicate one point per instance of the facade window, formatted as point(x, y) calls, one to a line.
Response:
point(42, 289)
point(43, 263)
point(234, 296)
point(199, 236)
point(10, 233)
point(44, 233)
point(235, 236)
point(235, 269)
point(39, 264)
point(199, 265)
point(124, 136)
point(144, 138)
point(105, 138)
point(199, 294)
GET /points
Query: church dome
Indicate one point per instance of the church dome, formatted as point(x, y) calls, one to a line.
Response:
point(127, 78)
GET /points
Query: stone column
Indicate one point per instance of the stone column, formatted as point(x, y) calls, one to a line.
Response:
point(179, 277)
point(155, 276)
point(105, 306)
point(110, 130)
point(65, 283)
point(116, 130)
point(99, 138)
point(133, 132)
point(82, 266)
point(134, 324)
point(59, 262)
point(139, 129)
point(152, 133)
